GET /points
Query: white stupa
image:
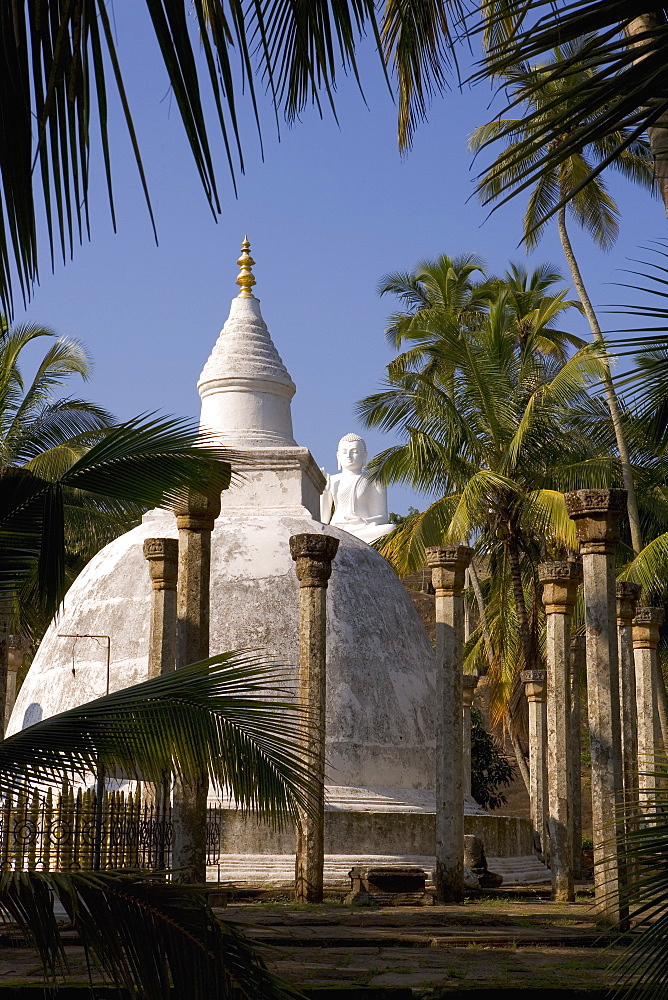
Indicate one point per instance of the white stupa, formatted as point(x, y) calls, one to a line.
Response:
point(381, 668)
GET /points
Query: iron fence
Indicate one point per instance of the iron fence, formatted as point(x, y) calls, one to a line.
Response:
point(59, 832)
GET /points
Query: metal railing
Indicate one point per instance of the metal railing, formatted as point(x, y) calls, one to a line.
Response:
point(58, 832)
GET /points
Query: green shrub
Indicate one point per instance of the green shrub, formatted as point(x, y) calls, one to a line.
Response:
point(491, 770)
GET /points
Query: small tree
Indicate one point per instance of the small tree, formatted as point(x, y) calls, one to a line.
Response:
point(491, 770)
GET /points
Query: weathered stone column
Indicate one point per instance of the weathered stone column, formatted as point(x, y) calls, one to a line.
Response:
point(596, 514)
point(313, 555)
point(5, 619)
point(448, 564)
point(578, 660)
point(195, 519)
point(560, 584)
point(627, 595)
point(17, 646)
point(535, 686)
point(470, 682)
point(646, 625)
point(162, 555)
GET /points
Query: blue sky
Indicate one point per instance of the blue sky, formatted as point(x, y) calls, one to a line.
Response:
point(330, 209)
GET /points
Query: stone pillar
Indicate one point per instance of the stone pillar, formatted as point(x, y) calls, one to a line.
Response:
point(627, 595)
point(162, 555)
point(578, 660)
point(470, 682)
point(448, 565)
point(535, 686)
point(313, 555)
point(16, 647)
point(195, 518)
point(596, 514)
point(560, 582)
point(646, 625)
point(5, 619)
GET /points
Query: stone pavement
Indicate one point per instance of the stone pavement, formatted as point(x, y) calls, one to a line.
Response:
point(488, 944)
point(277, 871)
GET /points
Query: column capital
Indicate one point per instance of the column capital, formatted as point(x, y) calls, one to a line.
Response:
point(596, 514)
point(448, 564)
point(535, 684)
point(627, 595)
point(646, 625)
point(162, 555)
point(19, 642)
point(469, 684)
point(560, 584)
point(313, 555)
point(197, 511)
point(17, 645)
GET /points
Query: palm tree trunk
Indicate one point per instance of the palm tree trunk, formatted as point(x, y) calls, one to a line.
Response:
point(610, 395)
point(519, 756)
point(657, 133)
point(525, 639)
point(520, 603)
point(487, 638)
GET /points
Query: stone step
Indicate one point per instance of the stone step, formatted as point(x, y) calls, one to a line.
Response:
point(276, 871)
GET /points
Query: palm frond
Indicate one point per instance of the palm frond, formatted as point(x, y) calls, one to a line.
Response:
point(418, 45)
point(642, 970)
point(649, 568)
point(233, 717)
point(602, 87)
point(149, 462)
point(149, 937)
point(404, 548)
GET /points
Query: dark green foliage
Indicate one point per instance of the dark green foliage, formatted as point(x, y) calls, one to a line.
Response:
point(145, 934)
point(491, 770)
point(231, 715)
point(643, 968)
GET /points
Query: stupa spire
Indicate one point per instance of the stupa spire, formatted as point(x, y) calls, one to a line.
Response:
point(245, 387)
point(245, 278)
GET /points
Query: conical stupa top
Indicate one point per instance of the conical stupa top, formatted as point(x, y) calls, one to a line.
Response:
point(244, 385)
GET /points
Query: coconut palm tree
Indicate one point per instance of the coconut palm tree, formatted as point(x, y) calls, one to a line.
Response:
point(460, 290)
point(623, 95)
point(535, 88)
point(485, 420)
point(230, 717)
point(46, 434)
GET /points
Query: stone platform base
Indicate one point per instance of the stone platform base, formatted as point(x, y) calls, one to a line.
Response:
point(392, 833)
point(277, 871)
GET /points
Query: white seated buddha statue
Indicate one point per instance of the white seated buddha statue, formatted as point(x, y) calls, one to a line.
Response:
point(359, 504)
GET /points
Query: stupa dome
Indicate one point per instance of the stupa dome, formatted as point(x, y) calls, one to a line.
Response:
point(380, 673)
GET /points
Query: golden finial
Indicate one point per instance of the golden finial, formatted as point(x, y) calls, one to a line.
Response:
point(246, 278)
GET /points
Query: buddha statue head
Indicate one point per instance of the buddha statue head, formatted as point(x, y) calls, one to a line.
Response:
point(351, 453)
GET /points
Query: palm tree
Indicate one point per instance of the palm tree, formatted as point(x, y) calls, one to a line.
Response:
point(641, 970)
point(460, 290)
point(535, 89)
point(46, 434)
point(230, 717)
point(623, 95)
point(533, 307)
point(485, 421)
